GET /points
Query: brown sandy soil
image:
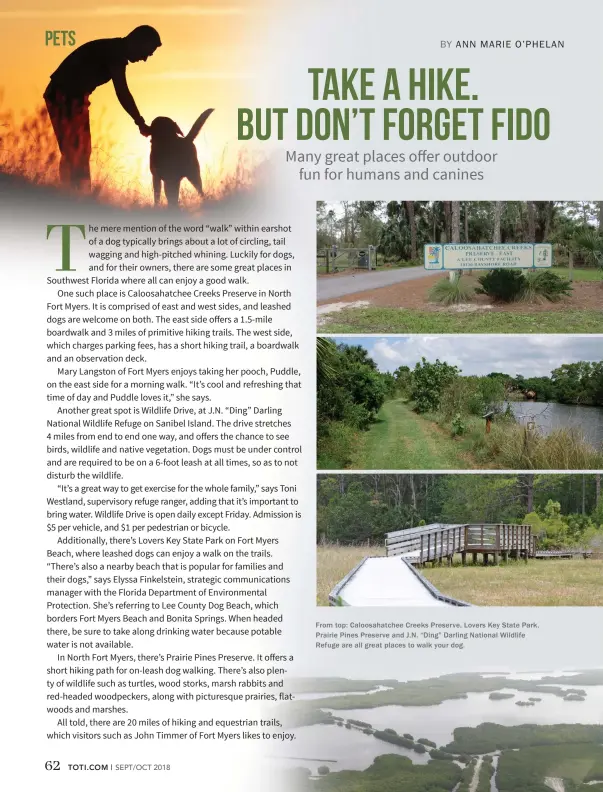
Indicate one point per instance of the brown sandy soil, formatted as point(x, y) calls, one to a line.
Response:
point(414, 294)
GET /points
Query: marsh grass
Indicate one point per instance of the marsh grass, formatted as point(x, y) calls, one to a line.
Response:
point(334, 561)
point(550, 582)
point(516, 447)
point(544, 582)
point(512, 446)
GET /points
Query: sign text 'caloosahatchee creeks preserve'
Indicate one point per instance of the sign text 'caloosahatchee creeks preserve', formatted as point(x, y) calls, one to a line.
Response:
point(488, 257)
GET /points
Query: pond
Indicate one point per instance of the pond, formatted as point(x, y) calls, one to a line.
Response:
point(351, 749)
point(549, 416)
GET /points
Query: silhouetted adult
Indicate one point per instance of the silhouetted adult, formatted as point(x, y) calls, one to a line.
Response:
point(69, 89)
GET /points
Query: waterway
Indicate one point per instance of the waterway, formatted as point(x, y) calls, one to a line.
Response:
point(548, 416)
point(351, 749)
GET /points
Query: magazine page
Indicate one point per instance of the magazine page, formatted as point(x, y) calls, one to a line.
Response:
point(303, 412)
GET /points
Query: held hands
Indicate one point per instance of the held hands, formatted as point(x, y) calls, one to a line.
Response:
point(143, 128)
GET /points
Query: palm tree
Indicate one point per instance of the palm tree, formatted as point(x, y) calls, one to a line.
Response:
point(590, 243)
point(326, 354)
point(498, 210)
point(410, 211)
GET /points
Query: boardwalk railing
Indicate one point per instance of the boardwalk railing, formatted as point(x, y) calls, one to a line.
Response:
point(440, 541)
point(427, 542)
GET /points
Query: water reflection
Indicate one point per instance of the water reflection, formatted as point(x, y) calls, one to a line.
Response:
point(354, 750)
point(548, 416)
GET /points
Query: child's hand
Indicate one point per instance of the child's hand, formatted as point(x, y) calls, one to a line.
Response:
point(144, 129)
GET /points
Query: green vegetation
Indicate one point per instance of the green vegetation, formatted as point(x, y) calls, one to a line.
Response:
point(542, 583)
point(484, 768)
point(564, 510)
point(556, 530)
point(451, 292)
point(527, 768)
point(350, 391)
point(335, 684)
point(399, 229)
point(546, 285)
point(490, 737)
point(578, 274)
point(400, 439)
point(506, 286)
point(467, 776)
point(390, 736)
point(389, 773)
point(356, 397)
point(433, 691)
point(373, 319)
point(502, 285)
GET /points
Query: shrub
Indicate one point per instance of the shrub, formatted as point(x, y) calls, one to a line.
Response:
point(429, 382)
point(323, 770)
point(458, 427)
point(335, 445)
point(502, 285)
point(357, 416)
point(451, 292)
point(545, 284)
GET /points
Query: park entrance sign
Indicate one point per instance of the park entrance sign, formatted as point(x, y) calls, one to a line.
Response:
point(488, 257)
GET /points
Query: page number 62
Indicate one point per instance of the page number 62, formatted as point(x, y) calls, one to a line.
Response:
point(52, 765)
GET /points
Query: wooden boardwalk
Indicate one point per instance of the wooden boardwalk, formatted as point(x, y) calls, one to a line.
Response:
point(382, 581)
point(440, 541)
point(394, 579)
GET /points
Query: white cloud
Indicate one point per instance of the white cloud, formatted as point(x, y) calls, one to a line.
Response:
point(527, 355)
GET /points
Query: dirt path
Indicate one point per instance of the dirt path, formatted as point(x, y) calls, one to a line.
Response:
point(414, 293)
point(555, 784)
point(332, 288)
point(402, 440)
point(477, 770)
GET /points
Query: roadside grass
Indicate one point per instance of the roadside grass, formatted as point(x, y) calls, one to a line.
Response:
point(550, 582)
point(333, 562)
point(579, 274)
point(402, 320)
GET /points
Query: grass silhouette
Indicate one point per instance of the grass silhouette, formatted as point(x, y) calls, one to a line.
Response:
point(29, 152)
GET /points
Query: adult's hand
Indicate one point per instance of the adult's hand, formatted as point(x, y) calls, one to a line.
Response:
point(144, 129)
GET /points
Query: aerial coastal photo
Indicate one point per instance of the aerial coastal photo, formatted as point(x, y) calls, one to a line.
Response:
point(465, 732)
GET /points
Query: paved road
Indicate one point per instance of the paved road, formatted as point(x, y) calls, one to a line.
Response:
point(387, 581)
point(330, 288)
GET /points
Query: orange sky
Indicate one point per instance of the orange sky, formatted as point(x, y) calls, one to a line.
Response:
point(204, 62)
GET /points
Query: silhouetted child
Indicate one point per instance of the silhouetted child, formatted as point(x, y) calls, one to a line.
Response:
point(67, 95)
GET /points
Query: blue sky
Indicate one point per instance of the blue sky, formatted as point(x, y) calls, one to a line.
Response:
point(531, 356)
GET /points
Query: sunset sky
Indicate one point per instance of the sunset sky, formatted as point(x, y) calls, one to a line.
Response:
point(204, 62)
